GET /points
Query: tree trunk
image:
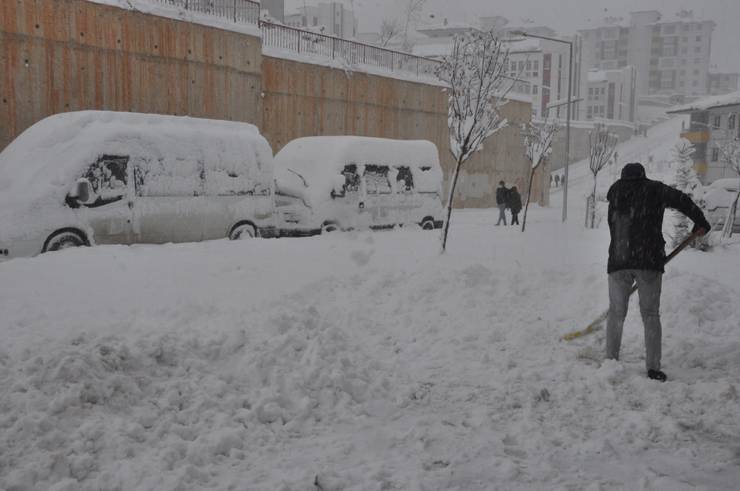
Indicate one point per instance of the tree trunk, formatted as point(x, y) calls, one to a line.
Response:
point(593, 204)
point(730, 219)
point(529, 193)
point(449, 205)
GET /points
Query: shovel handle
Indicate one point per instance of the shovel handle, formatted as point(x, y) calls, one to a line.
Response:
point(594, 326)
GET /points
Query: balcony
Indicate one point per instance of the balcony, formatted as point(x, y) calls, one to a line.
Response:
point(701, 136)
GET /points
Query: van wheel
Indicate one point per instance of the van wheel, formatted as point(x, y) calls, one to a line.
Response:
point(329, 227)
point(64, 240)
point(427, 224)
point(243, 231)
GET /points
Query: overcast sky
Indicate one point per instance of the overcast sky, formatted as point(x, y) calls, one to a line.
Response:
point(566, 16)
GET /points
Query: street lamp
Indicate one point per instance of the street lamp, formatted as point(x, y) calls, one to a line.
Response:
point(570, 108)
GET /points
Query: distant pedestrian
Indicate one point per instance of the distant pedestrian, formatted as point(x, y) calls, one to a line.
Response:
point(551, 180)
point(562, 180)
point(637, 255)
point(515, 205)
point(502, 198)
point(557, 180)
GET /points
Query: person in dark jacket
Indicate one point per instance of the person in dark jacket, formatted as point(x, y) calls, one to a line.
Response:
point(502, 198)
point(637, 255)
point(515, 205)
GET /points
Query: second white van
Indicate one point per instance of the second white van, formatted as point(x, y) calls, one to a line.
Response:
point(346, 182)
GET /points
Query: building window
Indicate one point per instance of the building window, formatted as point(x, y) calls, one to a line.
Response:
point(715, 154)
point(717, 123)
point(697, 49)
point(535, 90)
point(698, 39)
point(731, 122)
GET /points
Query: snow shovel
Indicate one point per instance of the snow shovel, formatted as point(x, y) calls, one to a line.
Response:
point(598, 323)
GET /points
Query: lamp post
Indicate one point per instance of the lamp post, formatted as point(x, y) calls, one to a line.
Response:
point(570, 108)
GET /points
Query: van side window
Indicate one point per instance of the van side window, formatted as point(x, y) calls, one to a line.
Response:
point(169, 176)
point(404, 180)
point(230, 178)
point(351, 179)
point(351, 182)
point(376, 179)
point(108, 179)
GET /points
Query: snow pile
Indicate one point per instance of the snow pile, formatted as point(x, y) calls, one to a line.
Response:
point(366, 361)
point(176, 407)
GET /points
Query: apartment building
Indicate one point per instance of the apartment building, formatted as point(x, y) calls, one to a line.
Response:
point(723, 83)
point(671, 57)
point(714, 121)
point(331, 18)
point(540, 69)
point(610, 94)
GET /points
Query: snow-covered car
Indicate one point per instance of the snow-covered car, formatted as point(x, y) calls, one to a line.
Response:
point(101, 177)
point(716, 200)
point(347, 182)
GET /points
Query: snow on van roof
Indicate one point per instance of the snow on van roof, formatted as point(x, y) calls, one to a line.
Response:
point(47, 158)
point(314, 162)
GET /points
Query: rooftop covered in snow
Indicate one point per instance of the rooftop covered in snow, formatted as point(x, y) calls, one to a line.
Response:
point(707, 103)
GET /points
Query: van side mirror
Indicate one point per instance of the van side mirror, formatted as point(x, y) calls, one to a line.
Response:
point(83, 191)
point(338, 185)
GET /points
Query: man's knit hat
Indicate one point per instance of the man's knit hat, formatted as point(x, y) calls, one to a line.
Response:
point(633, 171)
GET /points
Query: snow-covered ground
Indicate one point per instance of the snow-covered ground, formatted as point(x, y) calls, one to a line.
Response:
point(367, 361)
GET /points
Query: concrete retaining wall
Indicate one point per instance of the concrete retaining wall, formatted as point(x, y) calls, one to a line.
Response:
point(68, 55)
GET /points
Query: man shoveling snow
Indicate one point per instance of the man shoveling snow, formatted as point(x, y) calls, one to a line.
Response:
point(637, 255)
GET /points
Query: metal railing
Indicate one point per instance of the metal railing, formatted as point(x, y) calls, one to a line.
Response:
point(352, 52)
point(246, 11)
point(307, 42)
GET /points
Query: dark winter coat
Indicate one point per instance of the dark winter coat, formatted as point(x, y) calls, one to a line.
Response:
point(502, 195)
point(515, 201)
point(636, 206)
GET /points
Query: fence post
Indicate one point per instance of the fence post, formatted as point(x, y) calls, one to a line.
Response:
point(364, 54)
point(333, 46)
point(234, 10)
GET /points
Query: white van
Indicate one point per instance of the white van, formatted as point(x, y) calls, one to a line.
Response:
point(100, 177)
point(716, 200)
point(346, 182)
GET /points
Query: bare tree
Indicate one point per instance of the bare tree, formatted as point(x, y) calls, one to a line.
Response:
point(730, 151)
point(411, 14)
point(602, 147)
point(389, 30)
point(538, 145)
point(476, 76)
